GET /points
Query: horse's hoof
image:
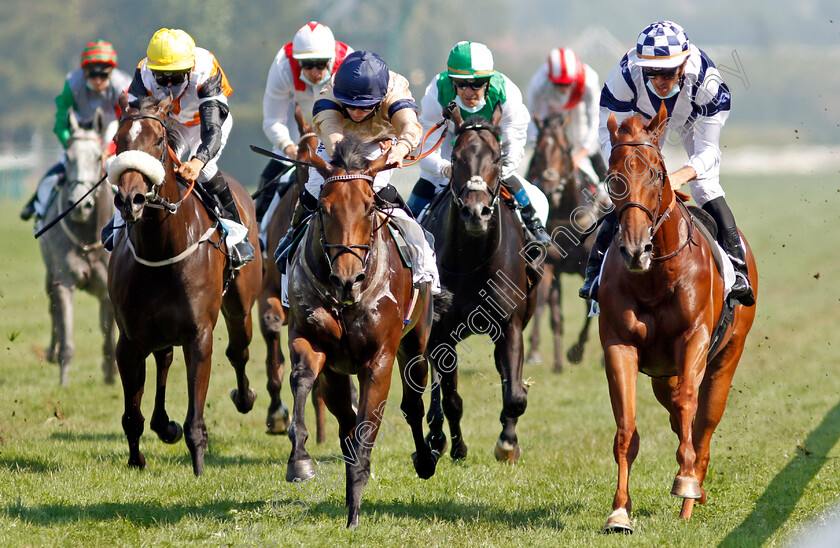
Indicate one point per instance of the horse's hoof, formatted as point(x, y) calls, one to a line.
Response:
point(300, 470)
point(558, 368)
point(138, 462)
point(243, 405)
point(437, 442)
point(686, 488)
point(575, 353)
point(425, 467)
point(619, 522)
point(534, 358)
point(278, 422)
point(459, 450)
point(174, 433)
point(507, 452)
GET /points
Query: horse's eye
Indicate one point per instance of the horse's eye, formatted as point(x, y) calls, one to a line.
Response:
point(160, 141)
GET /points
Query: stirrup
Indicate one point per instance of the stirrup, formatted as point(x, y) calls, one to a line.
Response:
point(241, 254)
point(589, 290)
point(743, 295)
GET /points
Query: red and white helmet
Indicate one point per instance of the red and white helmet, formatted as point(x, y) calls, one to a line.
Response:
point(564, 67)
point(313, 41)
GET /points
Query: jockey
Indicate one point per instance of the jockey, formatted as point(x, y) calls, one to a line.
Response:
point(374, 104)
point(97, 83)
point(200, 116)
point(565, 84)
point(300, 70)
point(469, 80)
point(665, 66)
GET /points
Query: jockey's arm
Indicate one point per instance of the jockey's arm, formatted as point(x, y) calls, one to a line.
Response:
point(430, 113)
point(63, 103)
point(328, 122)
point(408, 131)
point(514, 125)
point(278, 97)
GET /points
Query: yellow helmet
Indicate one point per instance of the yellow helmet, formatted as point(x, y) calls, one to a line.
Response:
point(171, 50)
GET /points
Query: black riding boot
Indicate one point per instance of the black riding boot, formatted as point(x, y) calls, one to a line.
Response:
point(596, 256)
point(29, 208)
point(268, 186)
point(730, 241)
point(307, 204)
point(532, 223)
point(242, 253)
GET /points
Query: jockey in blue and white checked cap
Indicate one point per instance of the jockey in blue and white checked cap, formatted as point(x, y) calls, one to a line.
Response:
point(666, 67)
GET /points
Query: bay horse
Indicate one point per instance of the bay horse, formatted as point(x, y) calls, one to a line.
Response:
point(272, 313)
point(167, 280)
point(480, 255)
point(661, 298)
point(352, 309)
point(571, 211)
point(72, 252)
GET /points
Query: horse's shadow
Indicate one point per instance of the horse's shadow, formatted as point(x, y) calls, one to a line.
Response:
point(775, 505)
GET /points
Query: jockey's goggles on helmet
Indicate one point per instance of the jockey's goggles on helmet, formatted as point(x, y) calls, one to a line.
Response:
point(370, 108)
point(668, 74)
point(98, 71)
point(471, 84)
point(167, 79)
point(309, 64)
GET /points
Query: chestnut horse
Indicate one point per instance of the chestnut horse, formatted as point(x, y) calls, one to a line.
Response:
point(166, 279)
point(570, 214)
point(272, 313)
point(352, 309)
point(661, 297)
point(72, 252)
point(480, 247)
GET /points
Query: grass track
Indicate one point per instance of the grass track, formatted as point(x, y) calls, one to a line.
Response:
point(774, 467)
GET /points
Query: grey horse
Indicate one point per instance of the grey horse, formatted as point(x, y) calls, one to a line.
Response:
point(72, 251)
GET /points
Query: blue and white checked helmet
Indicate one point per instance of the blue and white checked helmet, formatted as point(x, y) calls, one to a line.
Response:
point(662, 45)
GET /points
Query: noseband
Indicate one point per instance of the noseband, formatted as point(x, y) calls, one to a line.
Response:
point(344, 248)
point(476, 182)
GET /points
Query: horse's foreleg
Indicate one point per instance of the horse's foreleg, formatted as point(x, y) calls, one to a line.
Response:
point(107, 324)
point(434, 418)
point(240, 331)
point(168, 431)
point(508, 356)
point(198, 355)
point(690, 357)
point(307, 363)
point(61, 299)
point(278, 419)
point(575, 353)
point(622, 373)
point(131, 362)
point(534, 355)
point(555, 301)
point(414, 374)
point(453, 407)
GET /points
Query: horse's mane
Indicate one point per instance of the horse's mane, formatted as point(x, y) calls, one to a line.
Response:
point(148, 102)
point(476, 121)
point(350, 154)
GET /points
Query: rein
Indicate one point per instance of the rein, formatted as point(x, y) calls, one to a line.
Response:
point(659, 220)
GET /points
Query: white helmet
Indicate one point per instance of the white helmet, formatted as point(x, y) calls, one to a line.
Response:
point(313, 41)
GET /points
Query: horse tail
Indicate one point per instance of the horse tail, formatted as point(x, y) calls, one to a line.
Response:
point(442, 302)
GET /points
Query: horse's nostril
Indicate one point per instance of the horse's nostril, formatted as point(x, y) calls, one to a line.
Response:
point(486, 212)
point(138, 199)
point(335, 281)
point(648, 248)
point(360, 278)
point(118, 201)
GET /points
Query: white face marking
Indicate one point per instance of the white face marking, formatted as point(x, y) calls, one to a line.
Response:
point(134, 132)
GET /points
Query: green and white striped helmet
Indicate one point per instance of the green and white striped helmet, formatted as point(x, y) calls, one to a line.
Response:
point(470, 60)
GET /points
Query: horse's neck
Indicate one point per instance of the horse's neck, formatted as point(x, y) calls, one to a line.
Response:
point(162, 234)
point(673, 231)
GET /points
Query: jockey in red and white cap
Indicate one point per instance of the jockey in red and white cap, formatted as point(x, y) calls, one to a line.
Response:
point(300, 70)
point(566, 84)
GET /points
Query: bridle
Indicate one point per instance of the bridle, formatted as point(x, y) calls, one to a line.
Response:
point(553, 175)
point(476, 182)
point(657, 219)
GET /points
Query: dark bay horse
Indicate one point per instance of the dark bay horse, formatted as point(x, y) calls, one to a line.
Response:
point(272, 312)
point(352, 309)
point(166, 280)
point(480, 254)
point(571, 212)
point(72, 252)
point(661, 297)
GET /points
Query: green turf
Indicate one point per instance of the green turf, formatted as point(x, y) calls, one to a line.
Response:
point(774, 466)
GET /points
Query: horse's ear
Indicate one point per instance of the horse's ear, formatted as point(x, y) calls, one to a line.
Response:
point(123, 102)
point(457, 119)
point(99, 121)
point(537, 122)
point(497, 114)
point(319, 164)
point(72, 121)
point(656, 126)
point(612, 127)
point(166, 105)
point(301, 122)
point(378, 164)
point(566, 119)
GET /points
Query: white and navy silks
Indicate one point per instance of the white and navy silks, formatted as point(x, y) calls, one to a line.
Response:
point(513, 125)
point(286, 86)
point(697, 113)
point(544, 98)
point(395, 117)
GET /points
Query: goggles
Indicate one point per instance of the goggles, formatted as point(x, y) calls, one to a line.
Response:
point(167, 79)
point(471, 84)
point(667, 74)
point(309, 64)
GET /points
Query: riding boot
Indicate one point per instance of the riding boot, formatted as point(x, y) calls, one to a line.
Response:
point(29, 208)
point(268, 186)
point(596, 256)
point(533, 225)
point(307, 203)
point(389, 194)
point(107, 235)
point(421, 196)
point(242, 252)
point(730, 240)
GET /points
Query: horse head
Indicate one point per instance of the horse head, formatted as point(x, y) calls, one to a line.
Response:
point(83, 165)
point(307, 144)
point(552, 167)
point(142, 165)
point(638, 185)
point(476, 169)
point(346, 215)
